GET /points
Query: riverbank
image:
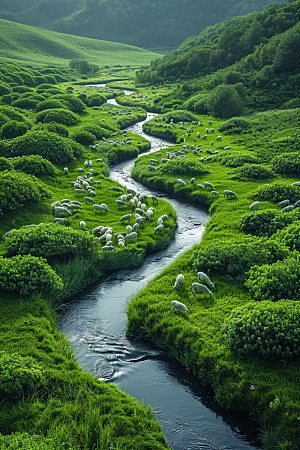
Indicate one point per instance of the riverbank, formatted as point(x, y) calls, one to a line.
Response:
point(265, 387)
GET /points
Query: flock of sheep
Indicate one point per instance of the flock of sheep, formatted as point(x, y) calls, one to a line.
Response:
point(197, 287)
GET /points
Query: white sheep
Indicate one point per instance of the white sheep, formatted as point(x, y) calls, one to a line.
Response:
point(201, 288)
point(82, 225)
point(215, 193)
point(229, 193)
point(129, 229)
point(159, 229)
point(254, 205)
point(203, 277)
point(287, 208)
point(283, 203)
point(208, 185)
point(180, 181)
point(66, 171)
point(177, 305)
point(178, 282)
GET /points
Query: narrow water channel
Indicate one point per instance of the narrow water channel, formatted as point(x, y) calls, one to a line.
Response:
point(95, 323)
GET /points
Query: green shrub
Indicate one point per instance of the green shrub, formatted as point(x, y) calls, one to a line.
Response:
point(48, 145)
point(51, 104)
point(12, 114)
point(287, 164)
point(235, 125)
point(74, 103)
point(276, 192)
point(179, 116)
point(83, 97)
point(4, 89)
point(233, 259)
point(83, 137)
point(17, 188)
point(28, 275)
point(293, 103)
point(44, 87)
point(7, 99)
point(25, 441)
point(254, 171)
point(22, 89)
point(225, 101)
point(25, 103)
point(19, 376)
point(183, 166)
point(97, 131)
point(33, 165)
point(52, 127)
point(96, 100)
point(50, 241)
point(13, 129)
point(58, 115)
point(5, 164)
point(266, 329)
point(275, 281)
point(33, 95)
point(267, 222)
point(237, 159)
point(290, 236)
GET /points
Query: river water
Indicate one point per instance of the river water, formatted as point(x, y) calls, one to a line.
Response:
point(95, 323)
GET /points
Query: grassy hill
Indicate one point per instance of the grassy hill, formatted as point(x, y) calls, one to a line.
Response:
point(36, 45)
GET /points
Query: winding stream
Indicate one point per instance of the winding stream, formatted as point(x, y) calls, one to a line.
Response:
point(95, 323)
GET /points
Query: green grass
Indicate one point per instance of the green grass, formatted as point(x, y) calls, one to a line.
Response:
point(33, 45)
point(195, 338)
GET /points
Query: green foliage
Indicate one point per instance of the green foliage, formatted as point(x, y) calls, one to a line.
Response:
point(25, 103)
point(13, 129)
point(28, 275)
point(267, 222)
point(254, 171)
point(26, 441)
point(33, 165)
point(224, 101)
point(265, 329)
point(293, 103)
point(48, 145)
point(19, 376)
point(50, 241)
point(18, 188)
point(197, 103)
point(237, 159)
point(5, 164)
point(52, 127)
point(275, 281)
point(50, 104)
point(184, 167)
point(235, 125)
point(44, 87)
point(97, 131)
point(290, 236)
point(179, 116)
point(83, 67)
point(83, 137)
point(287, 164)
point(11, 114)
point(287, 55)
point(233, 259)
point(58, 115)
point(73, 102)
point(96, 100)
point(276, 192)
point(4, 89)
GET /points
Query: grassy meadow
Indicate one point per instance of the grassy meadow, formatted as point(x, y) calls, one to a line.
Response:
point(246, 366)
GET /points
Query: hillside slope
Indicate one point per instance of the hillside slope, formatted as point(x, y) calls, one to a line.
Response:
point(25, 43)
point(147, 24)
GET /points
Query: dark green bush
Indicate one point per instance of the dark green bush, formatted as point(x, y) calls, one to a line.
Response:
point(183, 166)
point(28, 275)
point(48, 145)
point(225, 101)
point(276, 192)
point(254, 171)
point(51, 104)
point(179, 116)
point(7, 99)
point(74, 103)
point(287, 164)
point(44, 87)
point(18, 188)
point(5, 164)
point(290, 236)
point(4, 89)
point(19, 376)
point(267, 222)
point(12, 114)
point(83, 137)
point(98, 131)
point(233, 259)
point(25, 103)
point(50, 241)
point(234, 125)
point(13, 129)
point(25, 441)
point(34, 96)
point(58, 115)
point(237, 159)
point(33, 165)
point(266, 329)
point(22, 89)
point(52, 127)
point(275, 281)
point(96, 100)
point(83, 97)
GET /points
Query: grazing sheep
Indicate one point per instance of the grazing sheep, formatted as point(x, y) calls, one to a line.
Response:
point(178, 282)
point(126, 217)
point(180, 181)
point(297, 183)
point(159, 229)
point(283, 203)
point(152, 168)
point(62, 209)
point(228, 147)
point(86, 164)
point(105, 206)
point(81, 170)
point(192, 181)
point(200, 186)
point(99, 160)
point(98, 208)
point(135, 226)
point(131, 191)
point(108, 248)
point(82, 225)
point(80, 191)
point(115, 189)
point(215, 193)
point(219, 138)
point(66, 171)
point(132, 235)
point(208, 185)
point(287, 208)
point(121, 203)
point(229, 193)
point(129, 229)
point(201, 288)
point(178, 305)
point(154, 199)
point(88, 199)
point(204, 137)
point(203, 277)
point(97, 231)
point(60, 219)
point(164, 217)
point(139, 220)
point(254, 205)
